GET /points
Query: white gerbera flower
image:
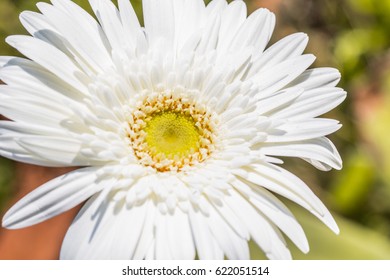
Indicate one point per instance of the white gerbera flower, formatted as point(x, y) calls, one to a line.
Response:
point(177, 125)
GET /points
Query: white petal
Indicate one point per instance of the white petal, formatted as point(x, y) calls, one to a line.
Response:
point(11, 132)
point(80, 42)
point(162, 250)
point(234, 246)
point(189, 19)
point(231, 218)
point(12, 150)
point(267, 104)
point(215, 7)
point(321, 150)
point(111, 233)
point(50, 58)
point(38, 112)
point(231, 19)
point(316, 78)
point(36, 24)
point(4, 60)
point(129, 20)
point(288, 185)
point(47, 107)
point(57, 149)
point(312, 103)
point(206, 245)
point(90, 27)
point(262, 231)
point(302, 130)
point(275, 78)
point(180, 240)
point(39, 27)
point(23, 74)
point(285, 49)
point(159, 22)
point(146, 241)
point(256, 32)
point(275, 211)
point(53, 198)
point(209, 37)
point(109, 18)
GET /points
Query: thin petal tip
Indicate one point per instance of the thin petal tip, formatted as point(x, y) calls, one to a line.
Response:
point(8, 222)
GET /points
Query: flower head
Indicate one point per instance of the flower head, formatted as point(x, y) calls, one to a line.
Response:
point(177, 125)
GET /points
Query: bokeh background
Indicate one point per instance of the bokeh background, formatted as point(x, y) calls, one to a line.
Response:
point(351, 35)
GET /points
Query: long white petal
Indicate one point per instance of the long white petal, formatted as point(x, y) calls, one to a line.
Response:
point(146, 241)
point(91, 29)
point(234, 246)
point(256, 32)
point(53, 198)
point(312, 103)
point(189, 21)
point(38, 111)
point(15, 135)
point(4, 60)
point(231, 20)
point(81, 42)
point(261, 230)
point(109, 18)
point(57, 149)
point(281, 181)
point(275, 78)
point(275, 211)
point(317, 78)
point(50, 58)
point(129, 20)
point(180, 240)
point(302, 130)
point(206, 246)
point(159, 22)
point(285, 49)
point(318, 150)
point(112, 232)
point(24, 74)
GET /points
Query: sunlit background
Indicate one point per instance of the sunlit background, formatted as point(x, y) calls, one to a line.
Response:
point(351, 35)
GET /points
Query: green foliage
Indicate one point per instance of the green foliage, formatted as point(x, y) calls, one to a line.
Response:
point(354, 185)
point(6, 177)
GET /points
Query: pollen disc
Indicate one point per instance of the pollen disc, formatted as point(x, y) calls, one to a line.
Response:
point(170, 132)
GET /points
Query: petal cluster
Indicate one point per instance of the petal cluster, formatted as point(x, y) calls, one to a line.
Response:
point(76, 96)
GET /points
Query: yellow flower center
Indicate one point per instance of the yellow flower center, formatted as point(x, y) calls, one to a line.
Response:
point(170, 132)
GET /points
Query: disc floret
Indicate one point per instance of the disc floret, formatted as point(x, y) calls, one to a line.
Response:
point(171, 132)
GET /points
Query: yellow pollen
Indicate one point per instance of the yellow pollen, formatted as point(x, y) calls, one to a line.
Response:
point(170, 133)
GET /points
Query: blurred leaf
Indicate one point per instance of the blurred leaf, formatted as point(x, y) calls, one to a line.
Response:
point(353, 47)
point(6, 177)
point(363, 6)
point(353, 185)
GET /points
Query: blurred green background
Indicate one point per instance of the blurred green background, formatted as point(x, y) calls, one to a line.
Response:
point(353, 36)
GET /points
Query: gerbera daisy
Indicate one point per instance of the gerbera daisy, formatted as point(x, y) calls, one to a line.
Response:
point(176, 126)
